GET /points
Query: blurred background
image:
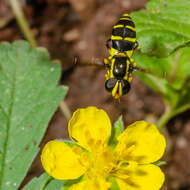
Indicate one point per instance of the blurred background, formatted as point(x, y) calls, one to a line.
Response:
point(80, 28)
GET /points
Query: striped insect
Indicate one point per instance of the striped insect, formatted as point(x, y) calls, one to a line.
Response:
point(118, 75)
point(120, 64)
point(123, 38)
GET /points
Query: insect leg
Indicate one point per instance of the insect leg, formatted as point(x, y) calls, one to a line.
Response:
point(94, 62)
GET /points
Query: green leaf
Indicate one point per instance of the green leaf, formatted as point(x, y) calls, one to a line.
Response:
point(68, 142)
point(114, 185)
point(160, 163)
point(29, 96)
point(117, 129)
point(38, 182)
point(69, 183)
point(174, 84)
point(163, 34)
point(163, 26)
point(56, 184)
point(44, 182)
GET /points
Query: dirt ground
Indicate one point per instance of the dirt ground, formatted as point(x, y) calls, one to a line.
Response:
point(80, 28)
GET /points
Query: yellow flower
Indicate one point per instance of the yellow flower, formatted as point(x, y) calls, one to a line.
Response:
point(128, 165)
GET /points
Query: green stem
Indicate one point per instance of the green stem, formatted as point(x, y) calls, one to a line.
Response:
point(166, 116)
point(169, 113)
point(22, 22)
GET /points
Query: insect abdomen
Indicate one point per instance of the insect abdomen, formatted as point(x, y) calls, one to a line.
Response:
point(124, 34)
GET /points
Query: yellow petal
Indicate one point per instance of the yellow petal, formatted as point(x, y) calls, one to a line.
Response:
point(91, 184)
point(142, 177)
point(61, 161)
point(145, 141)
point(90, 128)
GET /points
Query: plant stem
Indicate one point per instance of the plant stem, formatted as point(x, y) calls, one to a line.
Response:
point(169, 113)
point(166, 116)
point(22, 22)
point(65, 110)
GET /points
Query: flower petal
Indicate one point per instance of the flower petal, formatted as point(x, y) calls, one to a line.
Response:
point(91, 184)
point(90, 128)
point(61, 161)
point(144, 141)
point(142, 177)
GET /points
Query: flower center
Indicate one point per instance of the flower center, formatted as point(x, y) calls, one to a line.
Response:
point(101, 163)
point(105, 163)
